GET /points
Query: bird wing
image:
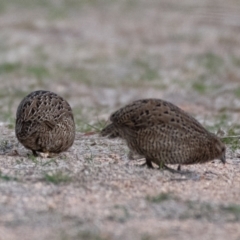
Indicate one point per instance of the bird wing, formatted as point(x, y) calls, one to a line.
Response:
point(50, 124)
point(153, 112)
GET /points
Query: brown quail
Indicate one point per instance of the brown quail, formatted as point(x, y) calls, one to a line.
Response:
point(164, 134)
point(45, 123)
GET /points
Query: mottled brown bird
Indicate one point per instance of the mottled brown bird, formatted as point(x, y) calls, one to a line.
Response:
point(45, 123)
point(164, 134)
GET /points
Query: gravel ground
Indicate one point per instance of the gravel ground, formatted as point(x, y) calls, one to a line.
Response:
point(100, 55)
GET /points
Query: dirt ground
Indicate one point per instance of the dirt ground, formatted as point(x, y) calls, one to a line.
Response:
point(100, 55)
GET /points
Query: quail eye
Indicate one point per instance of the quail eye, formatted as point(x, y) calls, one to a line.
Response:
point(223, 149)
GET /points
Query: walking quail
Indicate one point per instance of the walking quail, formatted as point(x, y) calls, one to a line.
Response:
point(164, 134)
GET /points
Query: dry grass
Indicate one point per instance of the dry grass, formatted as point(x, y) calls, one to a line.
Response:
point(100, 55)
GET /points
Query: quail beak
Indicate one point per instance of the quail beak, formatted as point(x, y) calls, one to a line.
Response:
point(223, 159)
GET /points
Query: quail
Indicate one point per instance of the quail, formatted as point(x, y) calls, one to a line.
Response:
point(164, 134)
point(45, 123)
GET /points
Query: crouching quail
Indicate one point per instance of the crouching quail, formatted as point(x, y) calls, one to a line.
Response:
point(164, 134)
point(45, 123)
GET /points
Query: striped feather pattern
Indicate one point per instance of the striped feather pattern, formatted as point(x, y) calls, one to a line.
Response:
point(45, 123)
point(164, 133)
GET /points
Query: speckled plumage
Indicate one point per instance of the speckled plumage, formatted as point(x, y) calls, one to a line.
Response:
point(164, 133)
point(45, 123)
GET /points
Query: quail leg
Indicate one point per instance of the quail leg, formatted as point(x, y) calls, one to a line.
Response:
point(148, 163)
point(34, 153)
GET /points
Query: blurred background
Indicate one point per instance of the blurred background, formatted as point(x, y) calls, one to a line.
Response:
point(100, 55)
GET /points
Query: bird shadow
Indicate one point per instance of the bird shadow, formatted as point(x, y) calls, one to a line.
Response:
point(191, 175)
point(181, 175)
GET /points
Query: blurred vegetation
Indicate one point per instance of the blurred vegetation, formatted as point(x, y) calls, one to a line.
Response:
point(59, 46)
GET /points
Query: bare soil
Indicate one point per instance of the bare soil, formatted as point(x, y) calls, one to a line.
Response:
point(100, 55)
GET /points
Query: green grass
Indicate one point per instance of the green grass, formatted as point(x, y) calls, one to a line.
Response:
point(83, 124)
point(49, 162)
point(79, 74)
point(212, 62)
point(146, 236)
point(220, 122)
point(86, 127)
point(89, 157)
point(90, 236)
point(160, 198)
point(57, 177)
point(98, 71)
point(147, 72)
point(200, 87)
point(68, 4)
point(236, 61)
point(3, 6)
point(38, 160)
point(84, 235)
point(195, 209)
point(8, 118)
point(38, 71)
point(5, 145)
point(233, 143)
point(237, 92)
point(119, 214)
point(33, 158)
point(6, 67)
point(10, 125)
point(7, 178)
point(233, 209)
